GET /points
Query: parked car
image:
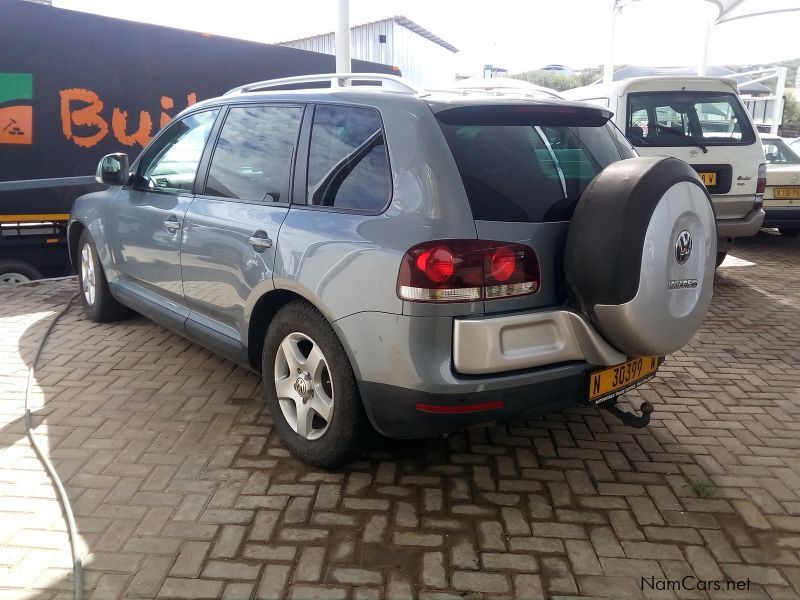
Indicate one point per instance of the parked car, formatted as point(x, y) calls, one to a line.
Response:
point(782, 195)
point(702, 121)
point(396, 260)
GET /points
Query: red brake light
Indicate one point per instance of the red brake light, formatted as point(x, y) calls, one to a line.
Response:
point(761, 185)
point(466, 270)
point(437, 263)
point(503, 263)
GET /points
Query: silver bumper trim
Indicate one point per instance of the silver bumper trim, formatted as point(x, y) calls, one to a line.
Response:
point(523, 341)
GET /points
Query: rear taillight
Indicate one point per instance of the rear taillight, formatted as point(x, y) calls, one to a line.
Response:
point(761, 185)
point(465, 270)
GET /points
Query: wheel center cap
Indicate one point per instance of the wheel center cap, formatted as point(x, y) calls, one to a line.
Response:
point(302, 385)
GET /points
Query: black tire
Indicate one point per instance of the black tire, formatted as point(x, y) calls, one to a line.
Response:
point(103, 307)
point(16, 271)
point(349, 433)
point(790, 232)
point(721, 258)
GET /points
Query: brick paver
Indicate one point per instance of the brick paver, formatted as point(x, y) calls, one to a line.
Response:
point(181, 488)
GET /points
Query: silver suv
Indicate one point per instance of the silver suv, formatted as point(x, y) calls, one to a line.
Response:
point(400, 261)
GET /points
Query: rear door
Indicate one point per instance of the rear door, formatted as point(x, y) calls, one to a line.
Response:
point(231, 229)
point(711, 131)
point(524, 175)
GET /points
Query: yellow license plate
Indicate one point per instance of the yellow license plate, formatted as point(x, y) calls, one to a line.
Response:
point(709, 178)
point(607, 383)
point(787, 192)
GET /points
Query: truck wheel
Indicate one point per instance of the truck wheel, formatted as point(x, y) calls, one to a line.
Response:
point(16, 271)
point(640, 254)
point(310, 389)
point(98, 303)
point(791, 232)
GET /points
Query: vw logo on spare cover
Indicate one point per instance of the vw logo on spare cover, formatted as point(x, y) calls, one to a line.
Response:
point(683, 247)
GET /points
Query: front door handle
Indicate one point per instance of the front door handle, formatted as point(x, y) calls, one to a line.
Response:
point(172, 224)
point(260, 241)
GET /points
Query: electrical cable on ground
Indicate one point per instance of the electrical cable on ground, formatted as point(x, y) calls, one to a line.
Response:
point(72, 530)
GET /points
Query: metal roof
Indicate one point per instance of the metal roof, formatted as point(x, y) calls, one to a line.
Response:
point(400, 20)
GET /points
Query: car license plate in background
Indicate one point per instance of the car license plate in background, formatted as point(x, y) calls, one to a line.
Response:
point(787, 192)
point(607, 383)
point(709, 179)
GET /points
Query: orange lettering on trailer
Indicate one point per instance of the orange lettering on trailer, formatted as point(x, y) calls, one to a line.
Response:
point(166, 104)
point(86, 116)
point(119, 125)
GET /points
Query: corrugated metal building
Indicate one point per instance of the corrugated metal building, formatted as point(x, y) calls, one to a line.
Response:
point(420, 55)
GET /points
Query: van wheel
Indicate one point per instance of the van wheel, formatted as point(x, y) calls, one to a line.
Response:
point(310, 389)
point(98, 303)
point(721, 258)
point(791, 232)
point(16, 271)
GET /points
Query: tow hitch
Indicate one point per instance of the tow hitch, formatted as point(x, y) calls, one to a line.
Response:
point(628, 418)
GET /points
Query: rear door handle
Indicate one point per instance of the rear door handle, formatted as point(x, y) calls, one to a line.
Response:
point(172, 224)
point(260, 241)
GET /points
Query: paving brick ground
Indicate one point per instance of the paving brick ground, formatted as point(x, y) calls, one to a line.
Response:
point(181, 488)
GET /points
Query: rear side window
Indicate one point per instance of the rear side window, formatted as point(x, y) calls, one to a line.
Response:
point(686, 119)
point(348, 166)
point(252, 159)
point(528, 173)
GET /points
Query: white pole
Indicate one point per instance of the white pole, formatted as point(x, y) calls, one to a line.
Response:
point(777, 106)
point(608, 69)
point(343, 36)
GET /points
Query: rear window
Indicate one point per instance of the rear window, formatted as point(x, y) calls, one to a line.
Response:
point(529, 173)
point(687, 119)
point(778, 152)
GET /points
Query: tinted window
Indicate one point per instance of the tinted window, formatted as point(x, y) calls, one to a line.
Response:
point(525, 172)
point(170, 164)
point(253, 157)
point(686, 118)
point(348, 166)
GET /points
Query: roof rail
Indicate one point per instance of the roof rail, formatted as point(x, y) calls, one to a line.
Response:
point(509, 92)
point(337, 80)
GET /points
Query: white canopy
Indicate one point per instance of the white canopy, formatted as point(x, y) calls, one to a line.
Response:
point(727, 10)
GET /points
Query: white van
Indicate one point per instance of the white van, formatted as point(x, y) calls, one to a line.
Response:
point(702, 121)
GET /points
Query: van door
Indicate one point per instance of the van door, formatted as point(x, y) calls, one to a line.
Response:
point(231, 228)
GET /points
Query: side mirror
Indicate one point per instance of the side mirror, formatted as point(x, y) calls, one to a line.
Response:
point(113, 169)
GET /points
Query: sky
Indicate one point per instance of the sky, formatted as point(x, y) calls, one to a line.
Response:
point(514, 34)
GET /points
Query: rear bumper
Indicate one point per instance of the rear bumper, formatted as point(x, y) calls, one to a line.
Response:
point(782, 217)
point(403, 361)
point(744, 227)
point(403, 413)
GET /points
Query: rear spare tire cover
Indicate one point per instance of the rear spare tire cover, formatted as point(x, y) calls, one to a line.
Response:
point(640, 254)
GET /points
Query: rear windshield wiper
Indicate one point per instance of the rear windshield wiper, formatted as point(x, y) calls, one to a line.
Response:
point(686, 136)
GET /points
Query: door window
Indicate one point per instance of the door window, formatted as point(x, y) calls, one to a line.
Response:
point(253, 157)
point(170, 164)
point(348, 166)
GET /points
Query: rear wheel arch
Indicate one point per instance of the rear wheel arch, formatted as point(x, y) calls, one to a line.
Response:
point(261, 316)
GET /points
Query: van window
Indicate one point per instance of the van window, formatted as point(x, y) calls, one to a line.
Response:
point(527, 173)
point(687, 119)
point(348, 166)
point(252, 159)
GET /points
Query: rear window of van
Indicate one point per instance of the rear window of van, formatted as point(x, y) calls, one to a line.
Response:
point(687, 118)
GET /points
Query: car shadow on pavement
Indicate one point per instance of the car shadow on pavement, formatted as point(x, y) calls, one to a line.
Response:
point(181, 487)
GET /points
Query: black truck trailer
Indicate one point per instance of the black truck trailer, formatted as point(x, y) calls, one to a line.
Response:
point(76, 86)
